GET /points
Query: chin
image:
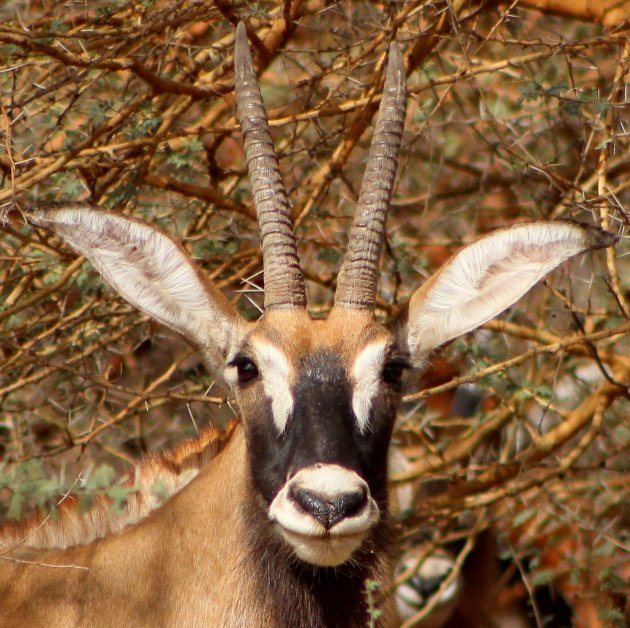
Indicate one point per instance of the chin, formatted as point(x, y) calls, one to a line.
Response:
point(323, 551)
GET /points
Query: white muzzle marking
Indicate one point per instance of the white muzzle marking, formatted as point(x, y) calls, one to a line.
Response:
point(310, 539)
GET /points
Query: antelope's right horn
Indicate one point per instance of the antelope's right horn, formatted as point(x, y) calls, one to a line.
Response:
point(284, 282)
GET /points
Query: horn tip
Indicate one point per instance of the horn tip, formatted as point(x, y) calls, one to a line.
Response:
point(395, 58)
point(395, 76)
point(241, 46)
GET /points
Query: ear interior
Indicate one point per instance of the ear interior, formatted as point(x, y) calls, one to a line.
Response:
point(150, 271)
point(488, 276)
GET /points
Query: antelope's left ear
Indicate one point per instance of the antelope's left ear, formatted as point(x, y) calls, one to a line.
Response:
point(488, 276)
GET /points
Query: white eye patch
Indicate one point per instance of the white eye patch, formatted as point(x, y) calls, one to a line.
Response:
point(366, 373)
point(275, 371)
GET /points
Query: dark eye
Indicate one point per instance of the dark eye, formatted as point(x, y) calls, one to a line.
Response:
point(245, 368)
point(393, 371)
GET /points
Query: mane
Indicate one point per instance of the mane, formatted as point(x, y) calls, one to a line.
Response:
point(155, 480)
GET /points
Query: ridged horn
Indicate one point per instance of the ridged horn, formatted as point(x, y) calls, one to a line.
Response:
point(284, 282)
point(358, 276)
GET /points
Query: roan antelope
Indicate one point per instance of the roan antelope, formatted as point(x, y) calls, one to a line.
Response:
point(289, 518)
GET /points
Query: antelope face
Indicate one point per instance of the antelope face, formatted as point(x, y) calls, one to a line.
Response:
point(319, 399)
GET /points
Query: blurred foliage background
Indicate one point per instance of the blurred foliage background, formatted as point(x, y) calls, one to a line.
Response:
point(520, 430)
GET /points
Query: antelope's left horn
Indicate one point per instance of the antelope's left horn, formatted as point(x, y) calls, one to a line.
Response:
point(358, 276)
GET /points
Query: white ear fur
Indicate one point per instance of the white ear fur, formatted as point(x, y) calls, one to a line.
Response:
point(150, 271)
point(488, 276)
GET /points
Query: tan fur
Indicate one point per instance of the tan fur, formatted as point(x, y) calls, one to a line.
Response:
point(127, 579)
point(185, 565)
point(346, 331)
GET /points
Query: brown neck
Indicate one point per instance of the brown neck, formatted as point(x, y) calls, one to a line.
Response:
point(248, 569)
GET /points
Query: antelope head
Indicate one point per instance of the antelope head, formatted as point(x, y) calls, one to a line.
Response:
point(318, 398)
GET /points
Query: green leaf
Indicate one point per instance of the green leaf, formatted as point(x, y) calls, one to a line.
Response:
point(544, 576)
point(184, 157)
point(602, 106)
point(85, 503)
point(605, 549)
point(529, 92)
point(119, 495)
point(571, 107)
point(523, 516)
point(612, 617)
point(557, 88)
point(102, 477)
point(15, 506)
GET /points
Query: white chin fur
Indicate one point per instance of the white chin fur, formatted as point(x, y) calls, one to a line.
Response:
point(323, 551)
point(309, 539)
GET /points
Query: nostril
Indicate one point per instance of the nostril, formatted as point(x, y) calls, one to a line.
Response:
point(331, 509)
point(351, 503)
point(310, 502)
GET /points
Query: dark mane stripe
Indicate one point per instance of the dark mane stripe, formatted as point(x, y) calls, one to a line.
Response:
point(160, 476)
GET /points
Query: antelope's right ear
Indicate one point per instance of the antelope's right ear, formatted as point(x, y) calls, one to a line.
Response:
point(151, 272)
point(488, 276)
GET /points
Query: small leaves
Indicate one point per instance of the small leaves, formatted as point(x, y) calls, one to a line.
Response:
point(374, 613)
point(542, 577)
point(99, 478)
point(119, 495)
point(612, 617)
point(31, 483)
point(185, 156)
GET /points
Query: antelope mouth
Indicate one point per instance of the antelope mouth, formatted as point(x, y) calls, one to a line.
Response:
point(324, 513)
point(324, 551)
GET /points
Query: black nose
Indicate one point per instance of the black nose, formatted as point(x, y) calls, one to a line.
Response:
point(330, 510)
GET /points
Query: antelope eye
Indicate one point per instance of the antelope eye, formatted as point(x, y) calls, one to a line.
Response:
point(393, 371)
point(246, 369)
